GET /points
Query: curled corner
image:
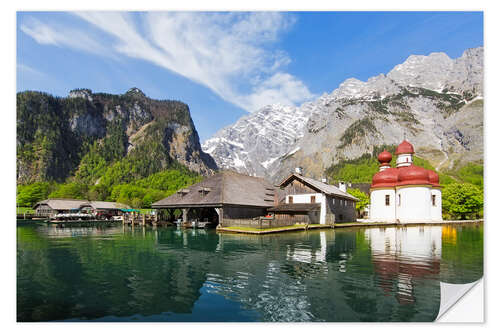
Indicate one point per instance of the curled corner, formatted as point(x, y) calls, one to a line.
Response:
point(451, 294)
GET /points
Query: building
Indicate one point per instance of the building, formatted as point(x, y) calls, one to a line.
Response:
point(104, 209)
point(307, 200)
point(226, 198)
point(406, 193)
point(52, 207)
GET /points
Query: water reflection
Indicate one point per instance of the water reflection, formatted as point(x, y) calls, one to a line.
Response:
point(401, 256)
point(167, 274)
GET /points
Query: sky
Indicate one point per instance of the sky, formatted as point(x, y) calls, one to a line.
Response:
point(227, 64)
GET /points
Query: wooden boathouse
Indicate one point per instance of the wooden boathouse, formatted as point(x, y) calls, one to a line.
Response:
point(51, 207)
point(224, 199)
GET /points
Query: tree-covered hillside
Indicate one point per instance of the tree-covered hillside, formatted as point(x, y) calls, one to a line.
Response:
point(105, 147)
point(58, 138)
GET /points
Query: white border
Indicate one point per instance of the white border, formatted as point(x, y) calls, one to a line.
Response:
point(8, 16)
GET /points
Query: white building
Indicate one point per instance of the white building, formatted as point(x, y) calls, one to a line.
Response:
point(407, 193)
point(306, 200)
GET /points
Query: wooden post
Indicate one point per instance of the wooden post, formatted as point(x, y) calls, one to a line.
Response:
point(185, 214)
point(143, 219)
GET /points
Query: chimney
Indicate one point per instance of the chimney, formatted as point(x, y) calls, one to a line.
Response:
point(342, 186)
point(298, 170)
point(324, 181)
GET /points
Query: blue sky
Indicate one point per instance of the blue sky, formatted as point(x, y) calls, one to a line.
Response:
point(224, 65)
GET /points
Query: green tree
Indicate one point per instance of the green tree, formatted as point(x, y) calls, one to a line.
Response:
point(70, 191)
point(364, 199)
point(462, 200)
point(28, 195)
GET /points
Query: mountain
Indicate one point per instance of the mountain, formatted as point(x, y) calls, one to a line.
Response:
point(257, 140)
point(79, 135)
point(434, 101)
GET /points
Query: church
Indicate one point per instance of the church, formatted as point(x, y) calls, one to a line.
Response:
point(406, 193)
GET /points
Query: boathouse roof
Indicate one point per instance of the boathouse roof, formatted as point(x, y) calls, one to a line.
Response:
point(223, 188)
point(62, 204)
point(75, 204)
point(318, 186)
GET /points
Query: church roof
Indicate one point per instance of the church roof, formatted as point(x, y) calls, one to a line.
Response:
point(405, 148)
point(404, 175)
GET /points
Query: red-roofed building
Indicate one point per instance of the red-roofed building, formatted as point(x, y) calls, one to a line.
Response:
point(407, 193)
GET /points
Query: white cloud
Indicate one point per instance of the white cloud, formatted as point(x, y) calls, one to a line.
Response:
point(61, 36)
point(230, 53)
point(29, 70)
point(276, 89)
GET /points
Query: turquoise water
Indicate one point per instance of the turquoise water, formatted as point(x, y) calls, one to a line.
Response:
point(165, 274)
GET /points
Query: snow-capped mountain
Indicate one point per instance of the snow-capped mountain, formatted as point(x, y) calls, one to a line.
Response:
point(257, 140)
point(435, 101)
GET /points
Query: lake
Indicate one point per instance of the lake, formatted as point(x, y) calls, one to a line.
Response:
point(164, 274)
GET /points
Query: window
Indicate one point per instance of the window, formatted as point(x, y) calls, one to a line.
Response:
point(290, 199)
point(434, 200)
point(387, 200)
point(313, 199)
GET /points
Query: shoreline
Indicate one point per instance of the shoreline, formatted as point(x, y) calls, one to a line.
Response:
point(340, 225)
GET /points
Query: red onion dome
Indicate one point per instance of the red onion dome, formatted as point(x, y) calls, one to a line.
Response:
point(405, 148)
point(433, 178)
point(385, 157)
point(385, 178)
point(413, 175)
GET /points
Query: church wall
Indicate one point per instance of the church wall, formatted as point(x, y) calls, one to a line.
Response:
point(378, 209)
point(413, 203)
point(436, 209)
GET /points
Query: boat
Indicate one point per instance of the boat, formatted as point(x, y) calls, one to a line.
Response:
point(72, 217)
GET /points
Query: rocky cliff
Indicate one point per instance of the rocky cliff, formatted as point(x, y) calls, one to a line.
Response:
point(434, 101)
point(54, 134)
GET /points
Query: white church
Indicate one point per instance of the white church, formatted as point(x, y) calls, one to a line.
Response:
point(407, 193)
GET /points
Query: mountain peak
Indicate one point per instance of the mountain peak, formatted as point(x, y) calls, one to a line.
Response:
point(81, 93)
point(135, 92)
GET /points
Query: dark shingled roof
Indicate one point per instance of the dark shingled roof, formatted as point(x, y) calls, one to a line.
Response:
point(319, 186)
point(223, 188)
point(295, 207)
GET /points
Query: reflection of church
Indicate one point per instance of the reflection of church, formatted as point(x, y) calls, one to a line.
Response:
point(406, 193)
point(404, 255)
